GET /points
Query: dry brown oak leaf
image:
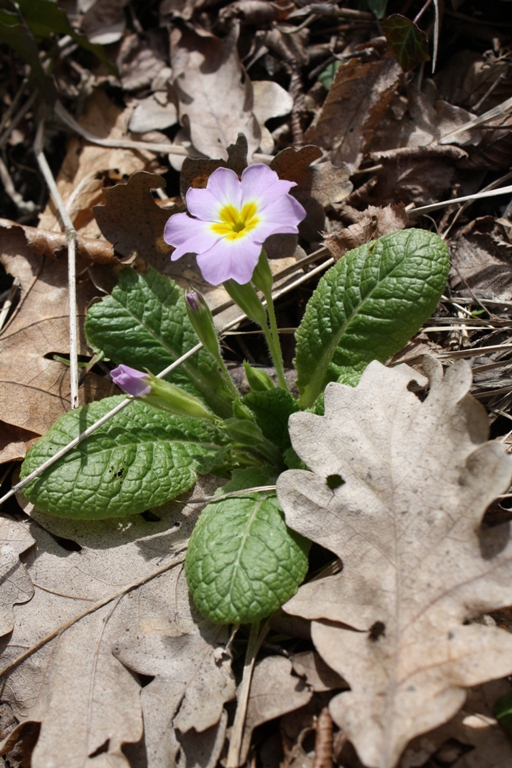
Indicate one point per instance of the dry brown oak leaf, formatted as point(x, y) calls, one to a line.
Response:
point(418, 477)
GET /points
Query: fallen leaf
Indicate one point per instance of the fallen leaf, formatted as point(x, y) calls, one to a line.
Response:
point(317, 185)
point(86, 168)
point(259, 13)
point(481, 262)
point(274, 692)
point(318, 675)
point(132, 221)
point(397, 490)
point(353, 109)
point(371, 224)
point(104, 22)
point(15, 584)
point(83, 696)
point(152, 115)
point(419, 175)
point(34, 388)
point(53, 244)
point(214, 93)
point(141, 60)
point(14, 442)
point(270, 101)
point(473, 736)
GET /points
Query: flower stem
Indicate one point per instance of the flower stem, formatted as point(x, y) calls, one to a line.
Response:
point(273, 340)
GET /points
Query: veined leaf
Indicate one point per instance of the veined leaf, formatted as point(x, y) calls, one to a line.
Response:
point(144, 324)
point(272, 408)
point(367, 307)
point(407, 41)
point(242, 561)
point(140, 458)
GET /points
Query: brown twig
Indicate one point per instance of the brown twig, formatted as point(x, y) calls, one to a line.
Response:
point(323, 740)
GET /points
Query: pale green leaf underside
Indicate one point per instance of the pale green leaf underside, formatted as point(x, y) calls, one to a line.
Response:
point(140, 458)
point(144, 324)
point(242, 561)
point(367, 307)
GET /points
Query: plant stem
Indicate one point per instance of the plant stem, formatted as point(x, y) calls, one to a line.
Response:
point(273, 341)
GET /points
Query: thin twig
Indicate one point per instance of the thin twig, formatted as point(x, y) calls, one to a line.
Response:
point(71, 241)
point(255, 640)
point(323, 740)
point(493, 113)
point(167, 149)
point(18, 118)
point(230, 495)
point(476, 196)
point(63, 451)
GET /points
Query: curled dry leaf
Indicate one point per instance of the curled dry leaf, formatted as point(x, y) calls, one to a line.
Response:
point(354, 107)
point(370, 225)
point(397, 490)
point(214, 93)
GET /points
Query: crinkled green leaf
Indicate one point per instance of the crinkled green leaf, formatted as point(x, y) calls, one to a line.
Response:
point(144, 324)
point(249, 477)
point(242, 561)
point(272, 408)
point(406, 40)
point(367, 307)
point(140, 458)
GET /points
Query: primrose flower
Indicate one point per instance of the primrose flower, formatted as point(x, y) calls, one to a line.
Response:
point(232, 219)
point(131, 381)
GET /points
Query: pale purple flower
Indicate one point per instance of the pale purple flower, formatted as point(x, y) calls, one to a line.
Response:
point(233, 218)
point(130, 380)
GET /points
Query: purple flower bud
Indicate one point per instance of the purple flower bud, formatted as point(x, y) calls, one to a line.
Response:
point(130, 380)
point(195, 301)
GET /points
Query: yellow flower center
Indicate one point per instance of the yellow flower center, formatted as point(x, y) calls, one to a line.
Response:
point(235, 223)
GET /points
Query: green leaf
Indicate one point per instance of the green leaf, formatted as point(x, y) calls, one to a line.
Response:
point(144, 324)
point(249, 477)
point(367, 307)
point(18, 36)
point(406, 40)
point(140, 458)
point(243, 562)
point(327, 75)
point(45, 18)
point(273, 408)
point(503, 712)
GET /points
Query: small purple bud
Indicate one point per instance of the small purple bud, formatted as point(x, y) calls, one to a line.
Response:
point(195, 301)
point(130, 380)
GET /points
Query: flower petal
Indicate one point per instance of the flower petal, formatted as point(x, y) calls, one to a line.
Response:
point(225, 187)
point(229, 259)
point(132, 381)
point(261, 184)
point(283, 215)
point(202, 204)
point(188, 235)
